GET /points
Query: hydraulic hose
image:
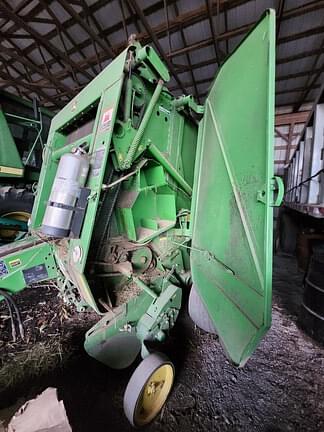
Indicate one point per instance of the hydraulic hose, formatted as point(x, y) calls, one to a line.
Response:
point(13, 328)
point(9, 300)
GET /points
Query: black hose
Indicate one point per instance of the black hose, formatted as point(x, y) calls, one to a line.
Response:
point(13, 328)
point(10, 300)
point(20, 324)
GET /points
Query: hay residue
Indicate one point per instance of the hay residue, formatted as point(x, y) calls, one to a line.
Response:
point(53, 333)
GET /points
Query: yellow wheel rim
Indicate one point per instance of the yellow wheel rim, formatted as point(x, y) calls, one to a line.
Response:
point(154, 394)
point(18, 215)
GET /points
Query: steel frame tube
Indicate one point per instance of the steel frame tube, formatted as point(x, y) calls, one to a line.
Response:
point(155, 152)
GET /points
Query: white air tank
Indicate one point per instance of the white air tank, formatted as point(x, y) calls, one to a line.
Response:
point(70, 177)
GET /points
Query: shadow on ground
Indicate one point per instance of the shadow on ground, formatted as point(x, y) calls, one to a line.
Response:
point(280, 388)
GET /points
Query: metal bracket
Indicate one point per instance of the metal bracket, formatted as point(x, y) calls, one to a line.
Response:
point(189, 101)
point(277, 184)
point(261, 196)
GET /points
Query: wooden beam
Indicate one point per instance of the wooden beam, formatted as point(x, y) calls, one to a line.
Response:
point(289, 118)
point(281, 7)
point(299, 56)
point(281, 135)
point(300, 74)
point(19, 36)
point(26, 85)
point(279, 162)
point(180, 22)
point(311, 79)
point(154, 38)
point(14, 53)
point(184, 19)
point(122, 10)
point(93, 8)
point(8, 13)
point(279, 78)
point(63, 30)
point(85, 27)
point(188, 58)
point(211, 25)
point(243, 30)
point(32, 13)
point(88, 15)
point(311, 6)
point(42, 20)
point(32, 85)
point(282, 60)
point(290, 138)
point(296, 89)
point(311, 112)
point(283, 147)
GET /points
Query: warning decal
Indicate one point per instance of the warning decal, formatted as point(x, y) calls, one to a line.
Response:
point(35, 274)
point(15, 263)
point(106, 119)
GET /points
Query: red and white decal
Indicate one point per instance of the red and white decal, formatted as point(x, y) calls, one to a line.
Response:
point(106, 119)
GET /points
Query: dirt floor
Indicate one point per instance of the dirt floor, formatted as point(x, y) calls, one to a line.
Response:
point(280, 389)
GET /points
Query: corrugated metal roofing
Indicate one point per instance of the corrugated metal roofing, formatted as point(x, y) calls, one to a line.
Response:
point(48, 42)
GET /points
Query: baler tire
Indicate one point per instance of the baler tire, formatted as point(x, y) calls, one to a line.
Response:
point(198, 313)
point(288, 231)
point(16, 201)
point(143, 399)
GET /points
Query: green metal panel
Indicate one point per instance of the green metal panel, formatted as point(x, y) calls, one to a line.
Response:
point(232, 215)
point(101, 140)
point(105, 88)
point(28, 255)
point(10, 162)
point(16, 104)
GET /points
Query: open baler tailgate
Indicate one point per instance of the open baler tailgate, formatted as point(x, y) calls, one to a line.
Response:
point(231, 257)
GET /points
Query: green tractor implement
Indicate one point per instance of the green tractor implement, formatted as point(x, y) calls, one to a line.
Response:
point(23, 129)
point(143, 195)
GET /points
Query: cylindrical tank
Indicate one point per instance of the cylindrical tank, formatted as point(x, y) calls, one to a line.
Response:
point(70, 177)
point(312, 310)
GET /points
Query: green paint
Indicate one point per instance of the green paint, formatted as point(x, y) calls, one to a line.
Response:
point(21, 141)
point(235, 161)
point(9, 155)
point(142, 232)
point(21, 138)
point(30, 252)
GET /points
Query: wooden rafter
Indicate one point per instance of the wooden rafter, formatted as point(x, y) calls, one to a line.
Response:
point(93, 35)
point(193, 80)
point(20, 61)
point(212, 29)
point(311, 80)
point(6, 11)
point(62, 28)
point(140, 14)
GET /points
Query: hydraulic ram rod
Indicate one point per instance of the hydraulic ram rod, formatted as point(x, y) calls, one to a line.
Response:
point(139, 134)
